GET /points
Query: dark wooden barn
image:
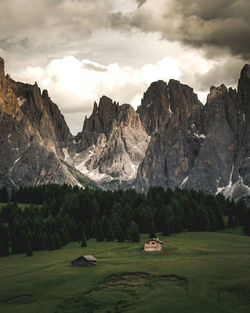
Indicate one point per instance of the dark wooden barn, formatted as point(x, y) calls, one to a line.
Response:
point(84, 260)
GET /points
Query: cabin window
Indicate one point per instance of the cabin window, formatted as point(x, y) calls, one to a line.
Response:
point(153, 243)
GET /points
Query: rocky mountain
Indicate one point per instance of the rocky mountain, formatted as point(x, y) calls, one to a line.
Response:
point(33, 136)
point(172, 114)
point(172, 140)
point(196, 146)
point(112, 144)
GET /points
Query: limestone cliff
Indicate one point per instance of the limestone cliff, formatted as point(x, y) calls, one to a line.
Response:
point(112, 144)
point(194, 146)
point(33, 136)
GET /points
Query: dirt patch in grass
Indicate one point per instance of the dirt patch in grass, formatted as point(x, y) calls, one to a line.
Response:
point(120, 292)
point(20, 298)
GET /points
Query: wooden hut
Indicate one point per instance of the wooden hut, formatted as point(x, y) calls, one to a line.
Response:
point(84, 260)
point(153, 244)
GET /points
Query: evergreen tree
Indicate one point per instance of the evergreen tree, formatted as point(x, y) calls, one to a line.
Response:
point(57, 239)
point(178, 224)
point(202, 219)
point(4, 196)
point(133, 232)
point(99, 232)
point(4, 240)
point(246, 223)
point(84, 242)
point(121, 235)
point(51, 242)
point(230, 222)
point(110, 234)
point(151, 231)
point(166, 230)
point(18, 236)
point(28, 248)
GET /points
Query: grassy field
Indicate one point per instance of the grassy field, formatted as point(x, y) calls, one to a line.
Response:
point(196, 272)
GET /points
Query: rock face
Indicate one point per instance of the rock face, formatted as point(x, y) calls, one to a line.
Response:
point(195, 146)
point(172, 113)
point(112, 144)
point(172, 140)
point(33, 136)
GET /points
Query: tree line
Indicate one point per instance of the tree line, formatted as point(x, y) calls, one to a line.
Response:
point(57, 214)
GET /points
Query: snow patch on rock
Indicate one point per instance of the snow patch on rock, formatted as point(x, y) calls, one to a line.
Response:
point(201, 136)
point(184, 182)
point(66, 154)
point(21, 101)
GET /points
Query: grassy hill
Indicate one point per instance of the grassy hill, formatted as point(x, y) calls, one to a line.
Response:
point(196, 272)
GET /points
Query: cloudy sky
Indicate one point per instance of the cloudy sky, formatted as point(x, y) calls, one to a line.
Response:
point(82, 49)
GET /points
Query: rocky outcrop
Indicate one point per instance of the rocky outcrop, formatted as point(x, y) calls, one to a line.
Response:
point(194, 146)
point(112, 144)
point(8, 100)
point(173, 114)
point(214, 164)
point(43, 114)
point(33, 136)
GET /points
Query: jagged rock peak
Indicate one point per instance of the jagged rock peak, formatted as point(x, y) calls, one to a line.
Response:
point(8, 101)
point(45, 93)
point(163, 102)
point(106, 107)
point(217, 91)
point(107, 104)
point(245, 72)
point(222, 88)
point(2, 72)
point(155, 88)
point(244, 88)
point(154, 106)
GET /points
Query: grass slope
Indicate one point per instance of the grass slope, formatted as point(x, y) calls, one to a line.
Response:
point(196, 272)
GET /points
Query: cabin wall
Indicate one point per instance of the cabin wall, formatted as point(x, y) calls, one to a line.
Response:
point(80, 263)
point(152, 246)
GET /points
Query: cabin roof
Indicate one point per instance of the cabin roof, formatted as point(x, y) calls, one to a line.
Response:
point(88, 258)
point(154, 239)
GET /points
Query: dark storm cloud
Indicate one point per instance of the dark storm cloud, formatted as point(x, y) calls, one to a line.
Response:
point(199, 23)
point(51, 24)
point(47, 24)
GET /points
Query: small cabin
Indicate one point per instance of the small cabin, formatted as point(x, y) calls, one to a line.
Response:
point(153, 244)
point(84, 260)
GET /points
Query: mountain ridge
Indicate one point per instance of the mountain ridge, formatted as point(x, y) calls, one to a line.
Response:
point(172, 140)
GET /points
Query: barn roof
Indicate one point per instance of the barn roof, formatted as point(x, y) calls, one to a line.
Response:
point(88, 258)
point(154, 239)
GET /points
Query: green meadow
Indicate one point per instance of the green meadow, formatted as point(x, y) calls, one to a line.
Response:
point(196, 272)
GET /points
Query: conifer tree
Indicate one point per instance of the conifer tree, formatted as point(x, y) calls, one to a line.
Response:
point(28, 247)
point(151, 231)
point(246, 223)
point(133, 232)
point(99, 232)
point(110, 234)
point(84, 242)
point(4, 240)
